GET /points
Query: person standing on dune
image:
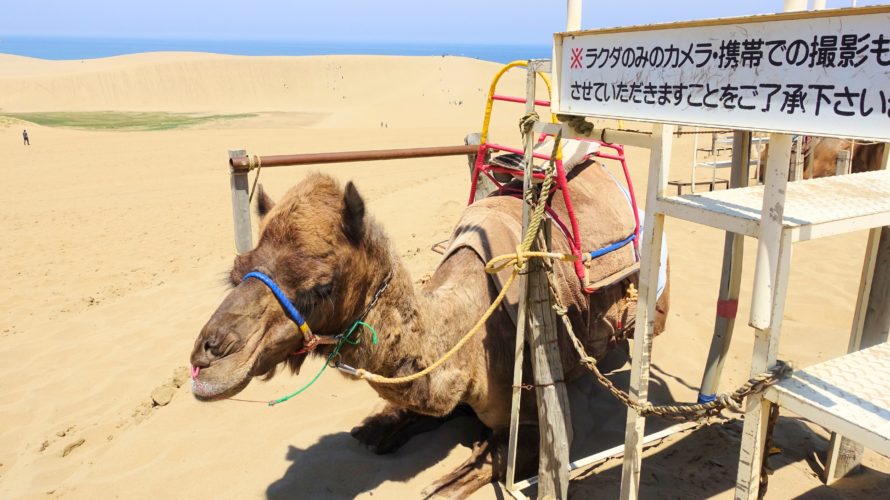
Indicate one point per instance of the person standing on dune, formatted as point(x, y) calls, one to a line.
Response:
point(25, 137)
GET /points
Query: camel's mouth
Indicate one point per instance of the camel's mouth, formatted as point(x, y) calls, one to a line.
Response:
point(226, 376)
point(208, 391)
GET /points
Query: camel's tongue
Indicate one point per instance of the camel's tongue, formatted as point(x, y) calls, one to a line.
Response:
point(195, 371)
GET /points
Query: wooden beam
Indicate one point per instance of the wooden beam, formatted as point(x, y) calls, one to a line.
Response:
point(553, 401)
point(554, 413)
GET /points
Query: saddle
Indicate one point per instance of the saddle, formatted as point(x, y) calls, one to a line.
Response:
point(492, 227)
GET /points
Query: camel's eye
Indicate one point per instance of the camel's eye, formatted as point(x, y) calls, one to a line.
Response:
point(312, 297)
point(323, 291)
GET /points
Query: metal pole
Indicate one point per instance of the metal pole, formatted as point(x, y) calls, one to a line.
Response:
point(730, 279)
point(240, 203)
point(794, 5)
point(573, 15)
point(244, 162)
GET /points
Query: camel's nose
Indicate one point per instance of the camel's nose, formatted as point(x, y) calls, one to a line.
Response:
point(208, 348)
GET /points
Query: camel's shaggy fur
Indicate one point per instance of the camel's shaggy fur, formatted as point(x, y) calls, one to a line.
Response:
point(331, 258)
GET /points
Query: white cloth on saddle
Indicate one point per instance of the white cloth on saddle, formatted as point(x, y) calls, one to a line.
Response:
point(574, 153)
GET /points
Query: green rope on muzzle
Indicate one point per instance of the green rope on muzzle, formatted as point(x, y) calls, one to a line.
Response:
point(344, 339)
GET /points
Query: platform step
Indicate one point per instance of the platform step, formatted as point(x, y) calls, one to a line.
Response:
point(813, 208)
point(849, 395)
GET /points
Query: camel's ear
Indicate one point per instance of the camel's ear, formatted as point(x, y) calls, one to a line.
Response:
point(353, 214)
point(264, 203)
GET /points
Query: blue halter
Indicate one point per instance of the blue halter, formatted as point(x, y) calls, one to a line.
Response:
point(286, 304)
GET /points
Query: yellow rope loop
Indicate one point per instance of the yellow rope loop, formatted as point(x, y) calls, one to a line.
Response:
point(501, 262)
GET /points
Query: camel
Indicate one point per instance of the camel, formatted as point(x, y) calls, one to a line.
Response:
point(336, 264)
point(820, 156)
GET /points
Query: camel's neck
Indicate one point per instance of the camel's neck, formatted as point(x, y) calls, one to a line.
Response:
point(415, 329)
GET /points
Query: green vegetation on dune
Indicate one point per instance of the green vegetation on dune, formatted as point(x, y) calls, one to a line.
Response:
point(120, 120)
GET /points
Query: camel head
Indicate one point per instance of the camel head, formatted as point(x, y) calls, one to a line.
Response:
point(314, 244)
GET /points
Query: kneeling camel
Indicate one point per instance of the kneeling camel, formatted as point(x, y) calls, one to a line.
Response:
point(336, 265)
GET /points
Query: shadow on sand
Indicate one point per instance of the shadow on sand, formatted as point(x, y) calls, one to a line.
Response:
point(337, 466)
point(701, 464)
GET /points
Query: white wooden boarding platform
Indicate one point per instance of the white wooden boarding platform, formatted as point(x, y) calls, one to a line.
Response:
point(849, 394)
point(813, 208)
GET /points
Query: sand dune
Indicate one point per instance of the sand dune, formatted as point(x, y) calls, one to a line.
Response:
point(350, 90)
point(116, 244)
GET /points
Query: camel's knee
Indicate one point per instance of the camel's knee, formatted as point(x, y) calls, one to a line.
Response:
point(386, 431)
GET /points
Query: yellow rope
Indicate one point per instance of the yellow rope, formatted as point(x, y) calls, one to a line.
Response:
point(518, 260)
point(379, 379)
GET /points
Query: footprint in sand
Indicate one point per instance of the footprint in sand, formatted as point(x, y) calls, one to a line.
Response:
point(162, 395)
point(59, 434)
point(71, 446)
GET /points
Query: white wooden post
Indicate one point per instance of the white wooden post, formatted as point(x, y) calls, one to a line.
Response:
point(240, 205)
point(770, 229)
point(659, 170)
point(767, 307)
point(871, 325)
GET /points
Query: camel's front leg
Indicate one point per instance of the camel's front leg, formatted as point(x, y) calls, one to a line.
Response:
point(388, 430)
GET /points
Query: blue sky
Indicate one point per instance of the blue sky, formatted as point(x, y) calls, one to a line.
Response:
point(529, 22)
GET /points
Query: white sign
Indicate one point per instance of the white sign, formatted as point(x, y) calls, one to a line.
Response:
point(817, 73)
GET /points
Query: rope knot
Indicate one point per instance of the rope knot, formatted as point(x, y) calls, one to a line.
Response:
point(520, 259)
point(632, 293)
point(728, 401)
point(577, 123)
point(528, 121)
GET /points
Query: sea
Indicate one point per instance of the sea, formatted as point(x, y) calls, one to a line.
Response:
point(60, 48)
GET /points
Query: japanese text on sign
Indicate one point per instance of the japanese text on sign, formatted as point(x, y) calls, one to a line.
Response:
point(816, 75)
